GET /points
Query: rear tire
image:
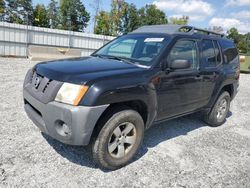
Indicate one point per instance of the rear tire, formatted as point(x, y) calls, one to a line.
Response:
point(217, 115)
point(119, 139)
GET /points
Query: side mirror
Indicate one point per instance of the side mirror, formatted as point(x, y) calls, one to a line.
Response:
point(180, 64)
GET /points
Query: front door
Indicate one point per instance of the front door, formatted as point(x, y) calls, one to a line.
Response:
point(180, 90)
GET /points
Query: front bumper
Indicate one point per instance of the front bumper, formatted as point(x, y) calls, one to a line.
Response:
point(69, 124)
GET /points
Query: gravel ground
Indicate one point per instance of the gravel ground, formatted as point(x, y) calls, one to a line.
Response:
point(180, 153)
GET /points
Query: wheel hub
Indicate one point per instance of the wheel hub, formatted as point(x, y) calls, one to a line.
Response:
point(222, 109)
point(122, 140)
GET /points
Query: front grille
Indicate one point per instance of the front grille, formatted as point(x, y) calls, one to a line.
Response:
point(41, 87)
point(40, 82)
point(47, 85)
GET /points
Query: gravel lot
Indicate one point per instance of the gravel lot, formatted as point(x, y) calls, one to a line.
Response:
point(180, 153)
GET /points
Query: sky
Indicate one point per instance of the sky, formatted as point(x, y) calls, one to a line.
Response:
point(202, 13)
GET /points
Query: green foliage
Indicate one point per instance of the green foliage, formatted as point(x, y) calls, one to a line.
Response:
point(242, 41)
point(234, 35)
point(70, 15)
point(53, 13)
point(118, 11)
point(40, 16)
point(103, 23)
point(12, 14)
point(19, 11)
point(151, 15)
point(2, 9)
point(73, 15)
point(130, 19)
point(2, 6)
point(179, 21)
point(124, 18)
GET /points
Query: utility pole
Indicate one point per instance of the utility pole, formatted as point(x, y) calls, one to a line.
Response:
point(97, 9)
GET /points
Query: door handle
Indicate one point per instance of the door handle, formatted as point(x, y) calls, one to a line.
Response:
point(198, 77)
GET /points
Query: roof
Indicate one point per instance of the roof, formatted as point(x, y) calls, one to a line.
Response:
point(176, 29)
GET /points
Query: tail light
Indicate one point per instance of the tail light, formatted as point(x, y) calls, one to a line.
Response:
point(237, 74)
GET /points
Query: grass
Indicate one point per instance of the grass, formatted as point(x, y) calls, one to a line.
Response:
point(245, 67)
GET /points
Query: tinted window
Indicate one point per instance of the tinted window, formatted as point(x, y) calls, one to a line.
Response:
point(139, 49)
point(151, 48)
point(229, 51)
point(217, 53)
point(124, 48)
point(208, 53)
point(185, 50)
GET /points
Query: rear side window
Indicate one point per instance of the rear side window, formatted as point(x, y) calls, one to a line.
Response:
point(217, 53)
point(186, 50)
point(208, 53)
point(230, 52)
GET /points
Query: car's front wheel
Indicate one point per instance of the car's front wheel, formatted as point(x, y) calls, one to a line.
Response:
point(218, 113)
point(118, 139)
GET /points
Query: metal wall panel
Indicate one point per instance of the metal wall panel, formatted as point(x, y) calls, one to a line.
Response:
point(15, 39)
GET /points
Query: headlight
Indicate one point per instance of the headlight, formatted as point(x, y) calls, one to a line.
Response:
point(71, 93)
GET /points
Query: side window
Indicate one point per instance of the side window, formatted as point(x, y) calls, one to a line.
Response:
point(186, 50)
point(208, 53)
point(229, 51)
point(123, 49)
point(217, 53)
point(151, 48)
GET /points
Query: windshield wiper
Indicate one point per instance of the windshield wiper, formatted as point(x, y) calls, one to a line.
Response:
point(115, 58)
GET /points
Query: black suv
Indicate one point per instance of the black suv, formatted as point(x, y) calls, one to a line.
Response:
point(153, 74)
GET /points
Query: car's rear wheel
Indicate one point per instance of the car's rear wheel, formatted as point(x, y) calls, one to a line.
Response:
point(217, 115)
point(118, 139)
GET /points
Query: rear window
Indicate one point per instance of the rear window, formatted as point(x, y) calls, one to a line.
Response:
point(230, 52)
point(208, 53)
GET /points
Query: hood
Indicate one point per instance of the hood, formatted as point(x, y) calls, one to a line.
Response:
point(82, 70)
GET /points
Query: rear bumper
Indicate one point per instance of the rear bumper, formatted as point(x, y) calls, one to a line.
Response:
point(69, 124)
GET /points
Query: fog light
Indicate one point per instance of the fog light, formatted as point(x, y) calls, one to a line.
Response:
point(62, 128)
point(66, 129)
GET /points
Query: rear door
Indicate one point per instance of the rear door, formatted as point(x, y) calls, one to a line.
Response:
point(211, 67)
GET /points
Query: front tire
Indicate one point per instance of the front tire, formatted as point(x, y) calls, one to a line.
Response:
point(217, 115)
point(119, 139)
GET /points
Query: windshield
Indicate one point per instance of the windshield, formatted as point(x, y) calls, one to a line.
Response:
point(139, 49)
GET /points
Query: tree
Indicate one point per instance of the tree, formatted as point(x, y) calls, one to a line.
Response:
point(40, 16)
point(124, 18)
point(131, 19)
point(234, 35)
point(73, 15)
point(12, 14)
point(118, 10)
point(248, 42)
point(103, 23)
point(151, 15)
point(19, 11)
point(2, 9)
point(242, 46)
point(179, 21)
point(25, 9)
point(242, 41)
point(52, 12)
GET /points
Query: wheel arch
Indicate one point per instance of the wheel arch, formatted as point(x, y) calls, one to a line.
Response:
point(137, 105)
point(229, 88)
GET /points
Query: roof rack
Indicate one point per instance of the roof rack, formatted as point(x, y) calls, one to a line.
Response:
point(176, 29)
point(193, 30)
